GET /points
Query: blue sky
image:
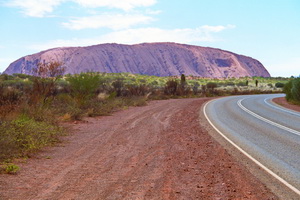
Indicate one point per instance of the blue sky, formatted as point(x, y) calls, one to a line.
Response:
point(267, 30)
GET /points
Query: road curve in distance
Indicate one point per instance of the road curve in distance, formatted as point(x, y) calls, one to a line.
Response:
point(266, 133)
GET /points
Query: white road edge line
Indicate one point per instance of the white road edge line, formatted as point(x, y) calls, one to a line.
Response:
point(249, 156)
point(279, 108)
point(266, 120)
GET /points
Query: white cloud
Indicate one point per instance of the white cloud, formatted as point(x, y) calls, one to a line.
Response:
point(120, 4)
point(115, 22)
point(141, 35)
point(39, 8)
point(35, 8)
point(216, 28)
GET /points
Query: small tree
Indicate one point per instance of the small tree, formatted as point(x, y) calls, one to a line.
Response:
point(182, 79)
point(256, 83)
point(49, 70)
point(182, 89)
point(46, 74)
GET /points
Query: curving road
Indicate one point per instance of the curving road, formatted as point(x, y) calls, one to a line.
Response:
point(266, 133)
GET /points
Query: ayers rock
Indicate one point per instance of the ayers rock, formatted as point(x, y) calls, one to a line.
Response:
point(159, 59)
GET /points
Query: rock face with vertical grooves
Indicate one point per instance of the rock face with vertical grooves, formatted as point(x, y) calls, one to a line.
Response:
point(159, 59)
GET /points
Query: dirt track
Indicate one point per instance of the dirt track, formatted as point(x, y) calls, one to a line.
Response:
point(154, 152)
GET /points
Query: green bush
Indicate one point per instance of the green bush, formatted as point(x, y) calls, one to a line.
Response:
point(270, 85)
point(84, 85)
point(230, 83)
point(279, 85)
point(243, 84)
point(292, 90)
point(287, 89)
point(296, 90)
point(211, 85)
point(136, 90)
point(118, 86)
point(171, 87)
point(24, 135)
point(11, 168)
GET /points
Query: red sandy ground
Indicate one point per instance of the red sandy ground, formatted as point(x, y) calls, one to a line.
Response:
point(283, 102)
point(159, 151)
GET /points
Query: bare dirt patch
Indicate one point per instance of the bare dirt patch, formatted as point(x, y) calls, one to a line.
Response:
point(283, 102)
point(157, 151)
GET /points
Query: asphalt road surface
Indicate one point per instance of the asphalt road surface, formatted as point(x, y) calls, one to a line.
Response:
point(266, 133)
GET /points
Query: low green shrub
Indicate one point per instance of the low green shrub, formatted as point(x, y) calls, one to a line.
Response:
point(10, 168)
point(211, 85)
point(295, 91)
point(171, 87)
point(279, 85)
point(84, 85)
point(25, 135)
point(292, 90)
point(242, 84)
point(287, 89)
point(270, 85)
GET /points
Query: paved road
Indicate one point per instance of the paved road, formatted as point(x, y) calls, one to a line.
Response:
point(266, 133)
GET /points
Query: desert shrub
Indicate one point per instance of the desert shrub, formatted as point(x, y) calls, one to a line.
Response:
point(295, 91)
point(62, 86)
point(211, 86)
point(195, 88)
point(41, 90)
point(279, 85)
point(9, 168)
point(118, 86)
point(270, 85)
point(9, 95)
point(230, 83)
point(44, 81)
point(242, 84)
point(84, 85)
point(48, 70)
point(5, 77)
point(287, 89)
point(22, 76)
point(65, 105)
point(17, 84)
point(10, 99)
point(24, 135)
point(137, 90)
point(171, 87)
point(154, 83)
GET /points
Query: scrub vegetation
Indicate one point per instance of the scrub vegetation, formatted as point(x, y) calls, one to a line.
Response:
point(31, 107)
point(292, 91)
